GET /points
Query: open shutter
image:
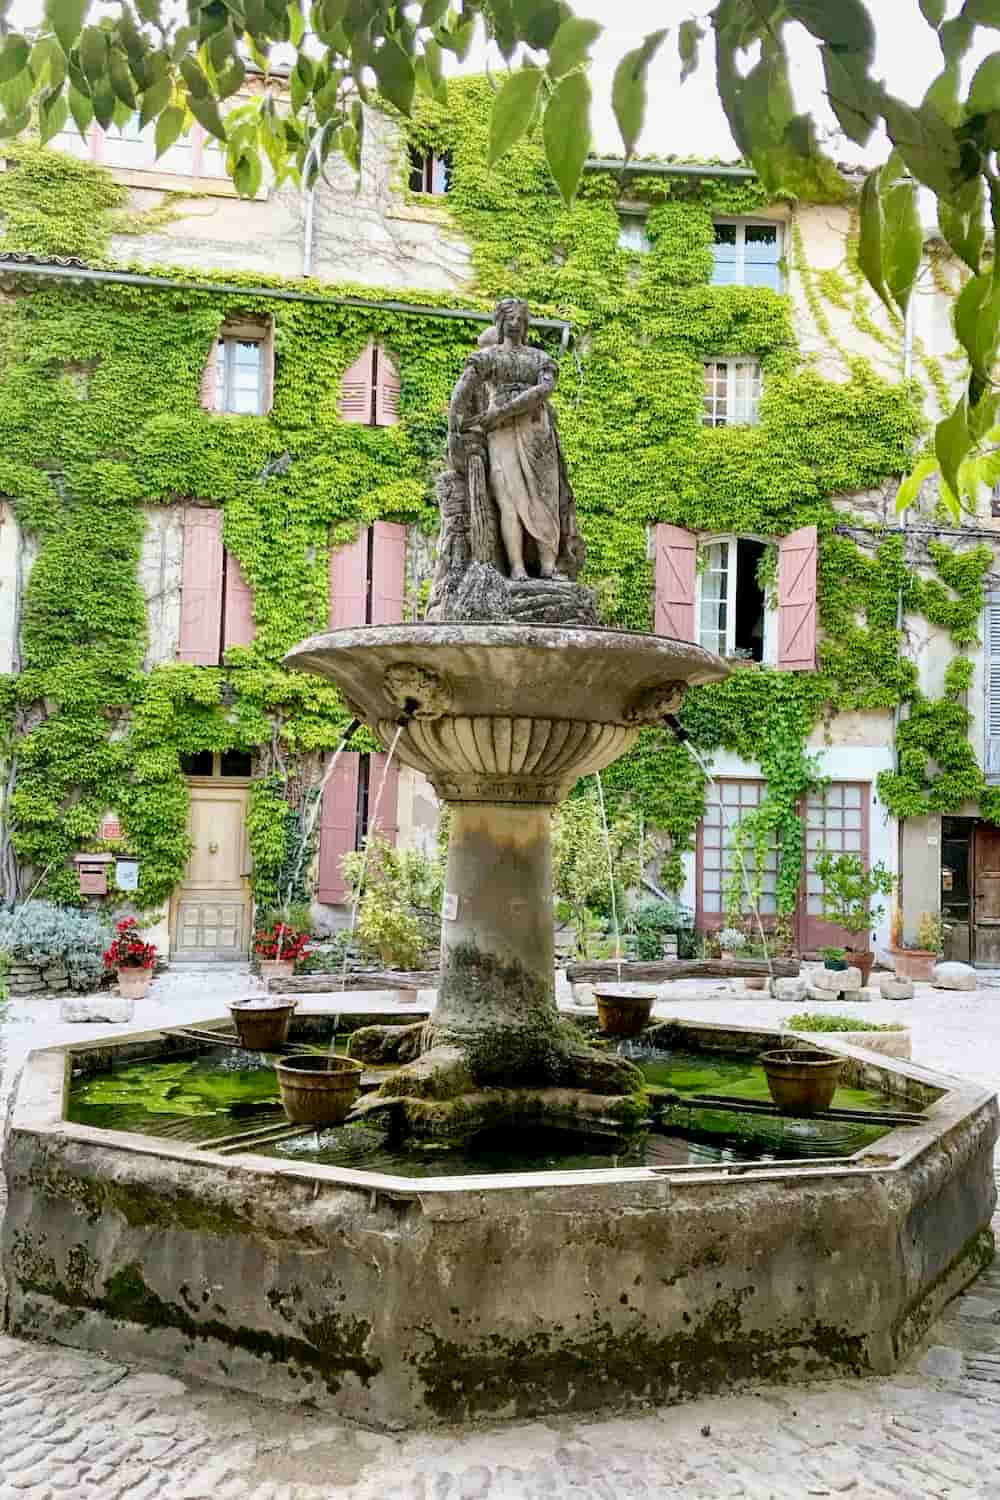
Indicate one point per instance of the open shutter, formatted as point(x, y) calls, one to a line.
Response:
point(993, 687)
point(797, 554)
point(349, 583)
point(356, 388)
point(208, 394)
point(338, 827)
point(267, 370)
point(388, 573)
point(676, 570)
point(201, 588)
point(238, 627)
point(386, 390)
point(388, 811)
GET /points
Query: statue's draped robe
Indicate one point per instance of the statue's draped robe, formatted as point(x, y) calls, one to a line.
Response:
point(523, 453)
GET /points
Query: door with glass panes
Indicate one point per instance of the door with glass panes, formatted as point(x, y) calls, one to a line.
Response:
point(211, 909)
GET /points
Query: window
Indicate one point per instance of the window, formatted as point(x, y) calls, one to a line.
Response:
point(429, 173)
point(991, 638)
point(732, 392)
point(218, 763)
point(369, 390)
point(632, 234)
point(127, 147)
point(239, 374)
point(733, 618)
point(717, 865)
point(747, 254)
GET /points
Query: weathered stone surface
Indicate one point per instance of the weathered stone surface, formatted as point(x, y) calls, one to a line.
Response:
point(789, 989)
point(97, 1008)
point(850, 980)
point(954, 976)
point(895, 989)
point(831, 980)
point(381, 1045)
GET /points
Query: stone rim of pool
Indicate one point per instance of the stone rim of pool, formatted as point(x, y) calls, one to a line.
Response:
point(405, 1301)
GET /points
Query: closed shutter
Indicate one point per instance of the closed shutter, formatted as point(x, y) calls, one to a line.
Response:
point(208, 394)
point(993, 687)
point(386, 796)
point(797, 554)
point(238, 626)
point(201, 588)
point(356, 388)
point(388, 573)
point(349, 583)
point(386, 390)
point(676, 569)
point(338, 828)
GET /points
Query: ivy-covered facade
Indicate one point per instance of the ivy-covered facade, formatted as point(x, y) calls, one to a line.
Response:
point(718, 382)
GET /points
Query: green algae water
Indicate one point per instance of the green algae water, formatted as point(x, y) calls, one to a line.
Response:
point(224, 1091)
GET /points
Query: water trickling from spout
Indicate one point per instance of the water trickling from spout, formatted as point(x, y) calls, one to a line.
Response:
point(307, 831)
point(611, 876)
point(372, 828)
point(737, 850)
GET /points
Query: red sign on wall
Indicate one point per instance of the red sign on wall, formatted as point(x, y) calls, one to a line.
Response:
point(111, 827)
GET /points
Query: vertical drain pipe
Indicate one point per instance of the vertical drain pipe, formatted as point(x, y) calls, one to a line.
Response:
point(310, 209)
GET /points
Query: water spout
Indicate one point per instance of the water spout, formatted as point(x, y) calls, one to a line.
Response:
point(401, 724)
point(611, 877)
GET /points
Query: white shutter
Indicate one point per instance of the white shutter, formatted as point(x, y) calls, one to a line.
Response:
point(993, 687)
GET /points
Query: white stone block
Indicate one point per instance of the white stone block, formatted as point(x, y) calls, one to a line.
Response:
point(827, 979)
point(954, 977)
point(851, 981)
point(895, 989)
point(814, 993)
point(97, 1008)
point(789, 989)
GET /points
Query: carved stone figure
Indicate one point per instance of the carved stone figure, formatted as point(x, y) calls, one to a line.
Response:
point(510, 547)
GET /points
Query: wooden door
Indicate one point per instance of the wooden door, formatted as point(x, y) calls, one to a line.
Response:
point(836, 820)
point(986, 903)
point(212, 903)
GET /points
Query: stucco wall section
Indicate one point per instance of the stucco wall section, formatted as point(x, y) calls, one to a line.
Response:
point(160, 566)
point(920, 872)
point(364, 232)
point(419, 812)
point(16, 557)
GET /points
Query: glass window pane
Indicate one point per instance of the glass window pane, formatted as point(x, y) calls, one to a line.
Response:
point(725, 255)
point(852, 796)
point(236, 763)
point(197, 764)
point(241, 378)
point(731, 793)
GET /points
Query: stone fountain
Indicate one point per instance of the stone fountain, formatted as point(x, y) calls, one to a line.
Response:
point(504, 698)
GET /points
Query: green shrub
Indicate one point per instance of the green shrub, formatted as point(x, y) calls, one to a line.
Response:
point(808, 1020)
point(42, 933)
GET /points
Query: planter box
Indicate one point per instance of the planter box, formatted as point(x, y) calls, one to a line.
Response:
point(915, 963)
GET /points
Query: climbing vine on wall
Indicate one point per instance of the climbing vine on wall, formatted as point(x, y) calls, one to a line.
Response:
point(99, 417)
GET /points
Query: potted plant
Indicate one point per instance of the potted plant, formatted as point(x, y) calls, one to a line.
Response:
point(916, 961)
point(278, 945)
point(849, 892)
point(834, 958)
point(132, 958)
point(731, 941)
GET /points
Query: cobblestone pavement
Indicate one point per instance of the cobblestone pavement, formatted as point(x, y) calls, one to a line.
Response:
point(76, 1427)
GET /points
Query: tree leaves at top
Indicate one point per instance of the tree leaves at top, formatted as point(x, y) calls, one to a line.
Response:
point(514, 111)
point(628, 90)
point(689, 39)
point(844, 24)
point(566, 138)
point(571, 44)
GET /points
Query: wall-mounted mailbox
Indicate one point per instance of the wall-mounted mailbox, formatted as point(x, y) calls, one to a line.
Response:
point(92, 871)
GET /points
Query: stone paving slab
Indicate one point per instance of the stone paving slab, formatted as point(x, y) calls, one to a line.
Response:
point(74, 1426)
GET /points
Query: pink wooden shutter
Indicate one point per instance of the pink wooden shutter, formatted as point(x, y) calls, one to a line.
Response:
point(209, 379)
point(238, 627)
point(386, 390)
point(356, 388)
point(349, 583)
point(388, 573)
point(201, 588)
point(267, 357)
point(797, 554)
point(676, 569)
point(338, 827)
point(388, 812)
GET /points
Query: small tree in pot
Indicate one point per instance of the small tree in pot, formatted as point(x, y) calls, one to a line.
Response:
point(849, 899)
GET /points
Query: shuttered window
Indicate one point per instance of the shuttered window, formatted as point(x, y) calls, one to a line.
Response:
point(993, 687)
point(369, 390)
point(216, 600)
point(239, 373)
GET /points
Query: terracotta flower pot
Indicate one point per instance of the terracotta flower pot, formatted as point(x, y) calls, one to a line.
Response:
point(622, 1012)
point(317, 1089)
point(801, 1080)
point(262, 1028)
point(133, 982)
point(277, 968)
point(915, 963)
point(862, 961)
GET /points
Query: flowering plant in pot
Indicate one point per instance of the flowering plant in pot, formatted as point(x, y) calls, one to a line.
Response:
point(849, 892)
point(278, 945)
point(132, 958)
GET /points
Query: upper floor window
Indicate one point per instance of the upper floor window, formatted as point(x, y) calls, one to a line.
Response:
point(369, 391)
point(732, 392)
point(239, 373)
point(126, 146)
point(632, 233)
point(747, 253)
point(429, 173)
point(733, 613)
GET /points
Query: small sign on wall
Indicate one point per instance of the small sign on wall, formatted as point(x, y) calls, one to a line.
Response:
point(111, 827)
point(92, 872)
point(127, 874)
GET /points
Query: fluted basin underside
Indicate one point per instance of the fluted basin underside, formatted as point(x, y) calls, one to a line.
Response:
point(503, 720)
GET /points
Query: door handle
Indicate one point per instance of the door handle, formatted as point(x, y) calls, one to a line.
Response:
point(213, 848)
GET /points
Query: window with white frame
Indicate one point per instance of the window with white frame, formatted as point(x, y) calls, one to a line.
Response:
point(632, 233)
point(126, 146)
point(733, 614)
point(732, 392)
point(429, 173)
point(239, 374)
point(747, 253)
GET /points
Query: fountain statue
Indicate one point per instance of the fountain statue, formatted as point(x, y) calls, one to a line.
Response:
point(504, 697)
